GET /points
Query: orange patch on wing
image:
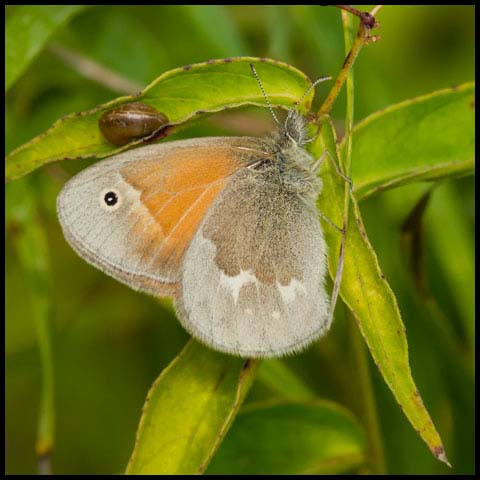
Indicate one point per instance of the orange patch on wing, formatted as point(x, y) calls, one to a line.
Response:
point(180, 236)
point(168, 213)
point(178, 188)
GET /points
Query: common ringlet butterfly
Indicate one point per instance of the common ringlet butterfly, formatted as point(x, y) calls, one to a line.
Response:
point(227, 226)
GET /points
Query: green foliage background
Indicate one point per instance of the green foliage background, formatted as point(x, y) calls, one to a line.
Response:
point(110, 343)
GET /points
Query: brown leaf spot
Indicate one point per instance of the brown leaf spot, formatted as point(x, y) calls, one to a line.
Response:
point(220, 380)
point(347, 59)
point(187, 67)
point(439, 452)
point(246, 365)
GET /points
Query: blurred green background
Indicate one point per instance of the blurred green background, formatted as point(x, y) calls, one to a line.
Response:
point(110, 343)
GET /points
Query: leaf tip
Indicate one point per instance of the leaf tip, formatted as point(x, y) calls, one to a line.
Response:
point(439, 453)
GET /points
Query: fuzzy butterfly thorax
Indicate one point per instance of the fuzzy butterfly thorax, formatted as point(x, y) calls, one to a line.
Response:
point(288, 164)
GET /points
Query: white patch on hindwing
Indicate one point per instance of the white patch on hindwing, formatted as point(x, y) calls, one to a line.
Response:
point(289, 292)
point(235, 284)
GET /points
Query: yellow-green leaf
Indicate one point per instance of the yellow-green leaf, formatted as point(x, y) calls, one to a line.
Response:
point(424, 138)
point(181, 94)
point(367, 294)
point(188, 411)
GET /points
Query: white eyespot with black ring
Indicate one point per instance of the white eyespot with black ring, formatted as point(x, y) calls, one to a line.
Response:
point(110, 199)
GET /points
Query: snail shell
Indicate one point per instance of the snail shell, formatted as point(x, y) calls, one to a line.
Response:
point(129, 122)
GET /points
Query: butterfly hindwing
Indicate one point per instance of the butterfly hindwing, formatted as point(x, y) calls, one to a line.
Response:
point(252, 279)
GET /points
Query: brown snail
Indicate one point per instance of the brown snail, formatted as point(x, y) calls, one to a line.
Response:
point(130, 121)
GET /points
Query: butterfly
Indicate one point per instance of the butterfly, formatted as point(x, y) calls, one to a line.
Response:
point(226, 226)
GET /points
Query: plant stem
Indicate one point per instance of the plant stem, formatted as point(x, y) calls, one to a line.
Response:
point(362, 36)
point(32, 248)
point(368, 407)
point(94, 71)
point(46, 420)
point(367, 397)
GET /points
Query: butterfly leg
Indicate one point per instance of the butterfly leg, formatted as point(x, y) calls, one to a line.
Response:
point(334, 225)
point(316, 166)
point(338, 275)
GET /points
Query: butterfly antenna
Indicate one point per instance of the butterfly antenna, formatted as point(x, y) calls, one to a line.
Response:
point(298, 102)
point(255, 74)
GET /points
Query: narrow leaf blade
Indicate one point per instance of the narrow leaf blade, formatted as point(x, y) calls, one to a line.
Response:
point(27, 231)
point(367, 294)
point(188, 411)
point(181, 94)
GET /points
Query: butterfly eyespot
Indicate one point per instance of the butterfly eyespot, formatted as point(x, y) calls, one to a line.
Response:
point(131, 121)
point(110, 199)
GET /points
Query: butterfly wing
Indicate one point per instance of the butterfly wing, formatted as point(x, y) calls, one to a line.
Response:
point(134, 215)
point(252, 281)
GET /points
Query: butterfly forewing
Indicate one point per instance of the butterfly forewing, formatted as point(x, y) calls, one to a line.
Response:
point(135, 214)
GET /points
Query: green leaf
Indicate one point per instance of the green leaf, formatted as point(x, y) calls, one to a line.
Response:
point(188, 411)
point(424, 138)
point(367, 294)
point(27, 30)
point(291, 438)
point(181, 94)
